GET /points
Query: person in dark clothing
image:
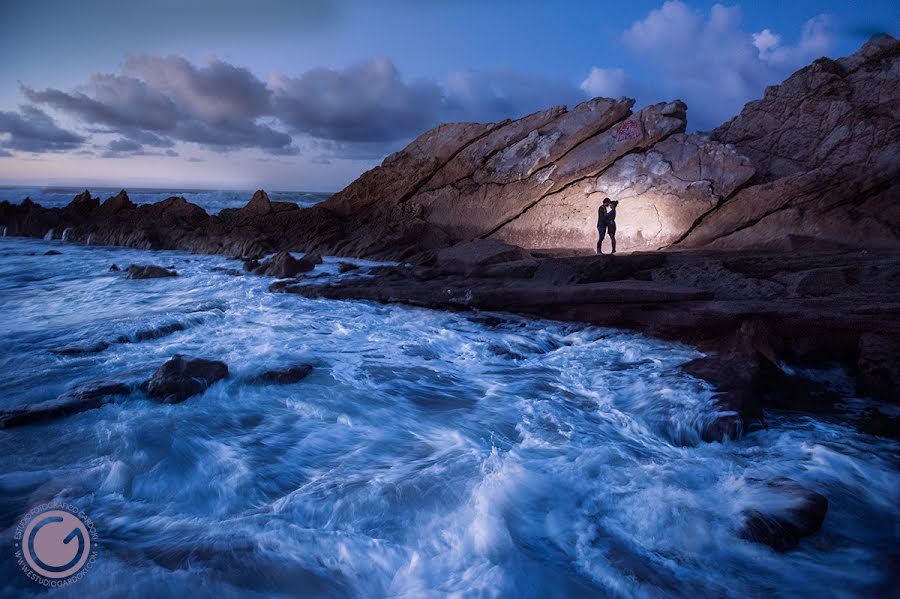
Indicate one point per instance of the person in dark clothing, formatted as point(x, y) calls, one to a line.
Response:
point(606, 223)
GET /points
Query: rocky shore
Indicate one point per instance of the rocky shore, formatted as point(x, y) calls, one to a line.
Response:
point(772, 242)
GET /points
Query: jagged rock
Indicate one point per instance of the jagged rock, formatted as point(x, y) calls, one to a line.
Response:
point(287, 375)
point(180, 378)
point(661, 193)
point(826, 146)
point(116, 203)
point(258, 205)
point(151, 271)
point(282, 265)
point(79, 399)
point(575, 145)
point(794, 512)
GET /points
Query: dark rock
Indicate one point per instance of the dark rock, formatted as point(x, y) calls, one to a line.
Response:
point(228, 271)
point(180, 378)
point(78, 399)
point(81, 350)
point(781, 528)
point(148, 272)
point(282, 265)
point(473, 256)
point(152, 333)
point(346, 267)
point(879, 367)
point(52, 253)
point(287, 375)
point(251, 264)
point(114, 268)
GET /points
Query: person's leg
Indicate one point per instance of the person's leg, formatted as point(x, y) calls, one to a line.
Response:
point(612, 237)
point(602, 231)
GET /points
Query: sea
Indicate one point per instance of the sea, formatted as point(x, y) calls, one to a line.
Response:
point(428, 454)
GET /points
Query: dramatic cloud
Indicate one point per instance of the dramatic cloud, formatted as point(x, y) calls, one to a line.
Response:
point(708, 60)
point(366, 102)
point(32, 130)
point(161, 99)
point(360, 112)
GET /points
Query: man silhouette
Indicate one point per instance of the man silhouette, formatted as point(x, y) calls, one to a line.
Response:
point(606, 223)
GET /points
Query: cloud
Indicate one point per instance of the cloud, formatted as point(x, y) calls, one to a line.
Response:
point(161, 99)
point(364, 103)
point(708, 60)
point(4, 153)
point(32, 130)
point(124, 148)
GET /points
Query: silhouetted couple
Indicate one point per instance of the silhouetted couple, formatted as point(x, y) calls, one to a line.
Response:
point(606, 223)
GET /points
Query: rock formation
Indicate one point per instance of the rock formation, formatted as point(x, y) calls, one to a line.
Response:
point(817, 160)
point(826, 147)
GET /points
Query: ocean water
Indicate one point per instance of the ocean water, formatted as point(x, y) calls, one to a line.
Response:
point(210, 200)
point(429, 454)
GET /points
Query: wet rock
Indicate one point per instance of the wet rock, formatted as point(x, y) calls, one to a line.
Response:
point(344, 267)
point(78, 399)
point(52, 253)
point(251, 264)
point(282, 265)
point(285, 376)
point(228, 271)
point(180, 378)
point(148, 272)
point(795, 512)
point(152, 333)
point(81, 349)
point(114, 268)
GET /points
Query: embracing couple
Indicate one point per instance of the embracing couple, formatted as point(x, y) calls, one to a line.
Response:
point(606, 223)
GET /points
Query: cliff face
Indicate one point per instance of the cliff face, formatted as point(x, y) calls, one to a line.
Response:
point(816, 160)
point(826, 148)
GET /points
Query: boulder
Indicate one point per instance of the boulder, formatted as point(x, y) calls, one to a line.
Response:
point(114, 268)
point(282, 265)
point(180, 378)
point(287, 375)
point(151, 271)
point(52, 253)
point(792, 512)
point(344, 267)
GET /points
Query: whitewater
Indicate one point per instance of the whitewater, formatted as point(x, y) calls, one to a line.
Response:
point(429, 454)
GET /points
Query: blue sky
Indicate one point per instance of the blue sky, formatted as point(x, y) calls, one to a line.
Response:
point(306, 95)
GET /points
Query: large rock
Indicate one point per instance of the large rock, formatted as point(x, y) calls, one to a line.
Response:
point(826, 146)
point(661, 193)
point(577, 145)
point(180, 378)
point(282, 265)
point(151, 271)
point(78, 399)
point(788, 512)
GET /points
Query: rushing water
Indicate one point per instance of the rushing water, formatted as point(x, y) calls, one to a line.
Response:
point(210, 200)
point(428, 454)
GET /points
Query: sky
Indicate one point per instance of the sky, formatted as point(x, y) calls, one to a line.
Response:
point(306, 95)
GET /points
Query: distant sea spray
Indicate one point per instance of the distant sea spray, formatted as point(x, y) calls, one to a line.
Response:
point(209, 199)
